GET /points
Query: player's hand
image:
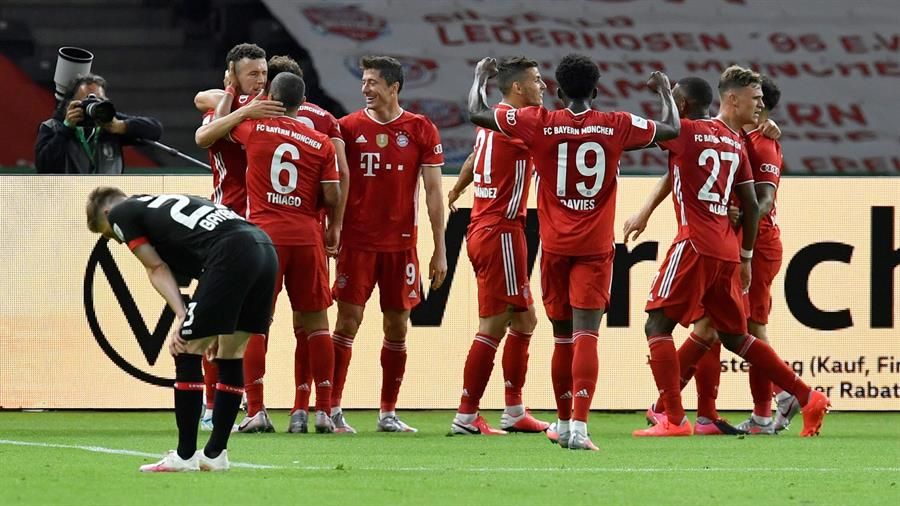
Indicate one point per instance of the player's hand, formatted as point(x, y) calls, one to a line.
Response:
point(770, 129)
point(177, 344)
point(230, 76)
point(745, 275)
point(634, 225)
point(437, 269)
point(259, 108)
point(452, 197)
point(659, 81)
point(74, 113)
point(487, 67)
point(735, 214)
point(332, 241)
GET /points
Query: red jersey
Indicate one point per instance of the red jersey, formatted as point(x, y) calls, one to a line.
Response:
point(680, 218)
point(319, 120)
point(710, 161)
point(385, 161)
point(229, 165)
point(766, 161)
point(502, 176)
point(286, 165)
point(576, 157)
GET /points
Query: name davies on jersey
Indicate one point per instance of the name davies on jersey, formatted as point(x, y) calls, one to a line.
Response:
point(288, 133)
point(585, 130)
point(578, 204)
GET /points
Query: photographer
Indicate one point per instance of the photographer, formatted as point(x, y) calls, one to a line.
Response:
point(86, 134)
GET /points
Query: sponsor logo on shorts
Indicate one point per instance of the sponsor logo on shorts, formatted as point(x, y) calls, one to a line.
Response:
point(342, 281)
point(346, 21)
point(413, 294)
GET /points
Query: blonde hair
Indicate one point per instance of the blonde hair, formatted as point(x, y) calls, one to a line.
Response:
point(735, 77)
point(98, 199)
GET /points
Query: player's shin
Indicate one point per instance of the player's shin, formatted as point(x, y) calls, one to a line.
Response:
point(561, 375)
point(229, 392)
point(393, 367)
point(666, 374)
point(707, 376)
point(188, 399)
point(302, 374)
point(254, 371)
point(321, 361)
point(761, 355)
point(515, 367)
point(343, 351)
point(585, 368)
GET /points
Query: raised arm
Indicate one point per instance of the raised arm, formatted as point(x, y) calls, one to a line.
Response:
point(437, 268)
point(669, 125)
point(466, 175)
point(207, 99)
point(208, 134)
point(480, 113)
point(636, 224)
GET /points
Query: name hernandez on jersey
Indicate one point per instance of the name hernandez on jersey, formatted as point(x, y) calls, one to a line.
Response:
point(385, 161)
point(710, 162)
point(286, 164)
point(576, 157)
point(501, 178)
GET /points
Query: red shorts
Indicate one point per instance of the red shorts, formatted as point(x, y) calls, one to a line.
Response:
point(396, 272)
point(499, 255)
point(689, 285)
point(581, 282)
point(303, 270)
point(758, 303)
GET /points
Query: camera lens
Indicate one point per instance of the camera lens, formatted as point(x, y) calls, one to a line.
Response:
point(101, 111)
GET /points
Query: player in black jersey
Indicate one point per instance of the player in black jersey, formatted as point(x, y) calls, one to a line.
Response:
point(235, 264)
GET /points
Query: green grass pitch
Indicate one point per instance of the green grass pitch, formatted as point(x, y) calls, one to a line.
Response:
point(68, 458)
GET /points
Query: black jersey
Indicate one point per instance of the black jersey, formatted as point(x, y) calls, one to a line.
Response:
point(183, 229)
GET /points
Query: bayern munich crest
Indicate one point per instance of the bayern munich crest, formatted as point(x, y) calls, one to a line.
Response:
point(402, 140)
point(346, 21)
point(341, 281)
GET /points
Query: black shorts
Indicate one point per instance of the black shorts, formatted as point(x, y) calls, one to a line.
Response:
point(235, 291)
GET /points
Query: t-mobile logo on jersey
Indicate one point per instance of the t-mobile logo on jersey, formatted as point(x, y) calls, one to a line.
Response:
point(370, 162)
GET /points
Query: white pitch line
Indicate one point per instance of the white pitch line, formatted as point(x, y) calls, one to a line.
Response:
point(423, 469)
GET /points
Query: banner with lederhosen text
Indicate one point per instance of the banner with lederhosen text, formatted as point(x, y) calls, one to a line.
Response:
point(81, 326)
point(835, 61)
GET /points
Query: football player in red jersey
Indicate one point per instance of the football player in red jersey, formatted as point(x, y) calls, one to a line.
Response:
point(322, 121)
point(501, 169)
point(229, 164)
point(708, 273)
point(766, 161)
point(388, 150)
point(576, 154)
point(288, 166)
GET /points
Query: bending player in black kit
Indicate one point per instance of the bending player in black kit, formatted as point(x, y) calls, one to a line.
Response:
point(235, 264)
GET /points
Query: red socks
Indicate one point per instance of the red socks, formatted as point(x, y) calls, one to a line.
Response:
point(393, 365)
point(343, 350)
point(666, 374)
point(709, 370)
point(561, 375)
point(321, 362)
point(689, 354)
point(761, 355)
point(302, 374)
point(254, 370)
point(210, 378)
point(477, 371)
point(515, 365)
point(585, 367)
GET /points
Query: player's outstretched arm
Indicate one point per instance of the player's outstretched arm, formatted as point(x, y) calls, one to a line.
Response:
point(635, 225)
point(434, 200)
point(466, 175)
point(669, 124)
point(480, 113)
point(207, 99)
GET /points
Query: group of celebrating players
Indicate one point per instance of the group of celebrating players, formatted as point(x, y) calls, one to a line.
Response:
point(348, 188)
